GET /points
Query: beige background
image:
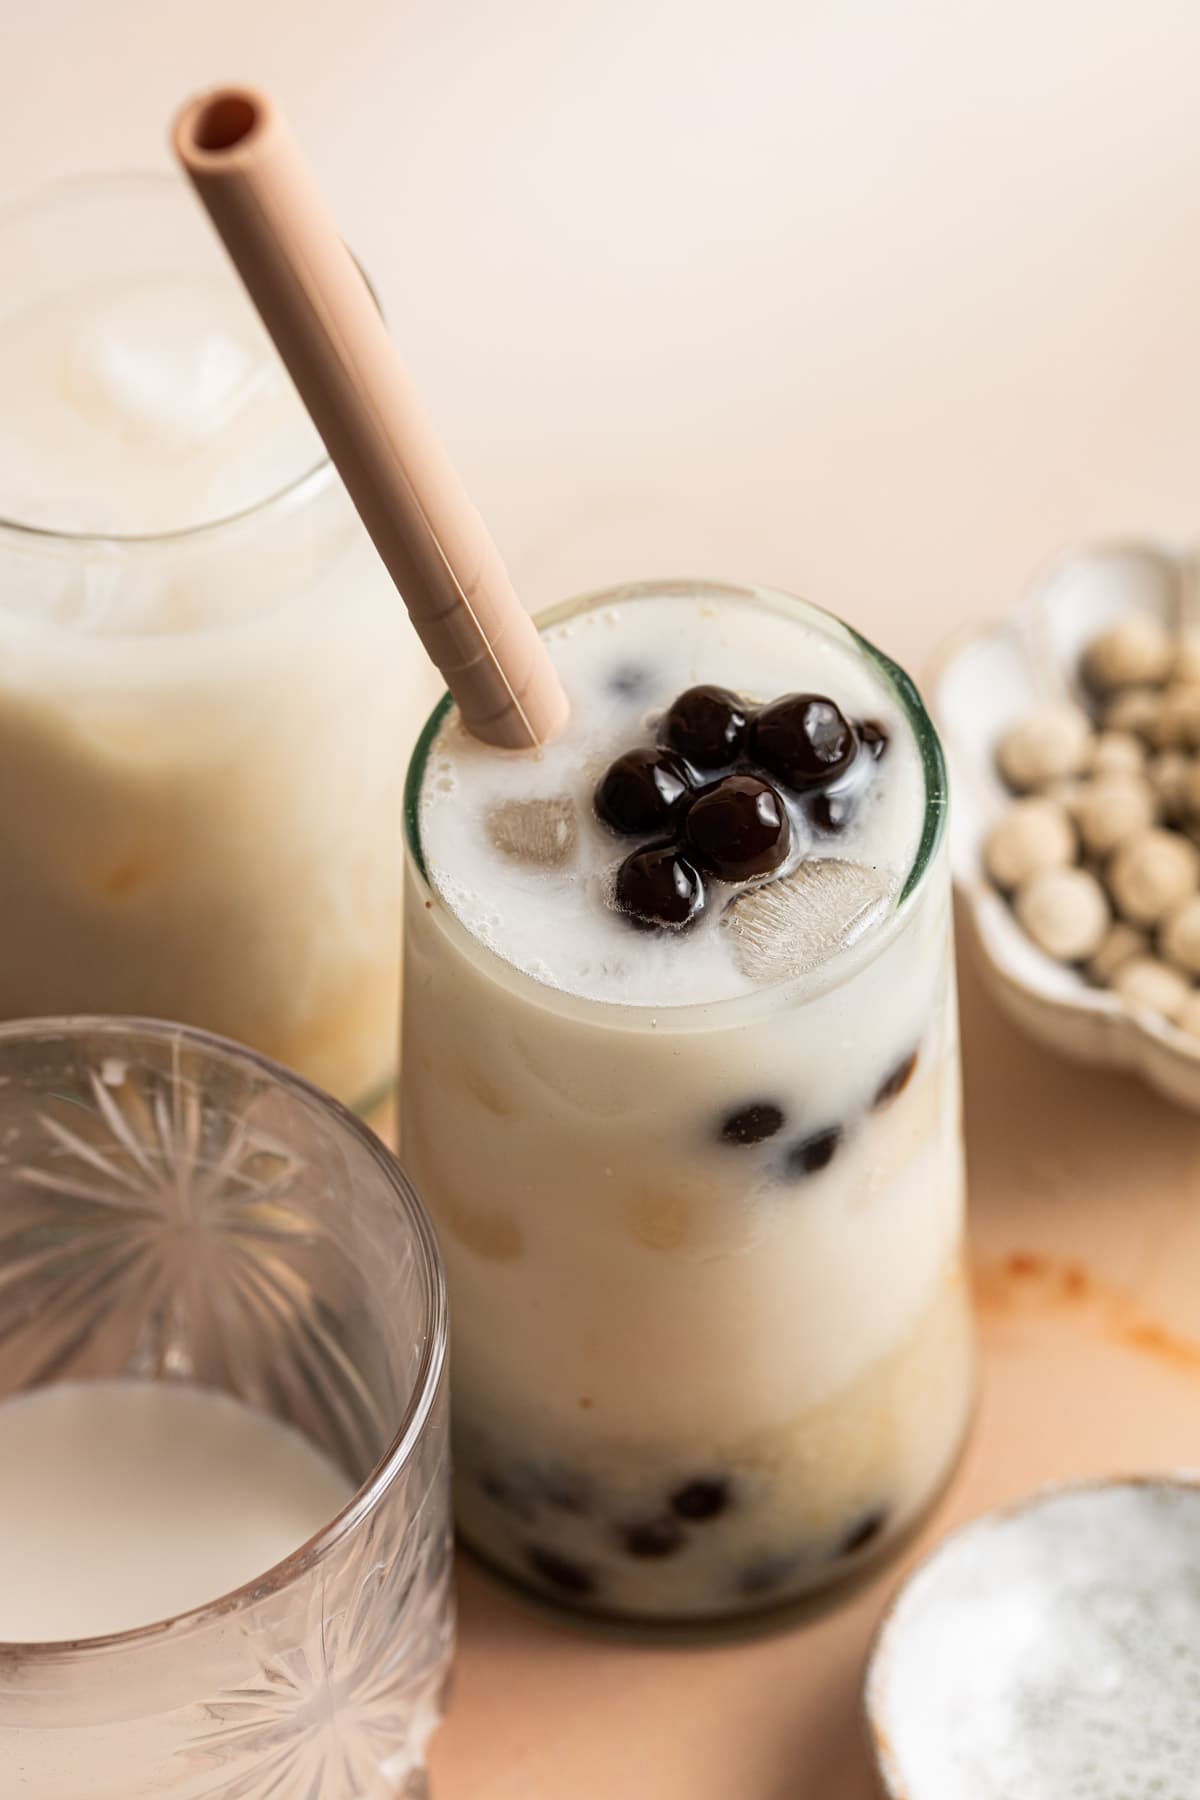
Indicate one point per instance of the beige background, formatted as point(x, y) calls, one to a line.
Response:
point(879, 302)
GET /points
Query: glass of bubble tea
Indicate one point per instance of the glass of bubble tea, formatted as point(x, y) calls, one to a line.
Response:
point(208, 687)
point(681, 1090)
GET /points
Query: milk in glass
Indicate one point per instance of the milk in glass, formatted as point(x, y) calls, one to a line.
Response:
point(124, 1502)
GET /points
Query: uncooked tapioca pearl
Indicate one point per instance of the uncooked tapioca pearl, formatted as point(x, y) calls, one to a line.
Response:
point(1112, 808)
point(1135, 710)
point(1188, 1016)
point(1168, 773)
point(1152, 873)
point(1186, 663)
point(1066, 790)
point(1177, 723)
point(1179, 936)
point(1053, 740)
point(1145, 982)
point(1122, 942)
point(1117, 753)
point(1134, 650)
point(1190, 791)
point(1033, 834)
point(1064, 911)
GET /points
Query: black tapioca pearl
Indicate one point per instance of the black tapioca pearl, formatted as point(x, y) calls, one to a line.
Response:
point(766, 1574)
point(643, 791)
point(653, 1537)
point(560, 1572)
point(510, 1495)
point(565, 1491)
point(873, 737)
point(659, 889)
point(897, 1081)
point(708, 727)
point(630, 681)
point(864, 1531)
point(831, 813)
point(812, 1154)
point(752, 1124)
point(738, 828)
point(704, 1497)
point(804, 739)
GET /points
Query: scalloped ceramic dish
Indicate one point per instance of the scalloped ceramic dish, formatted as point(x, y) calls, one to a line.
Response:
point(983, 682)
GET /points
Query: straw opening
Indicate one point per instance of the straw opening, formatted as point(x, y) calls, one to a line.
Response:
point(225, 121)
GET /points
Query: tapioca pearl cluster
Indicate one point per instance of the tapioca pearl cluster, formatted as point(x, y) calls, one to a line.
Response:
point(572, 1535)
point(664, 1527)
point(1098, 852)
point(763, 1575)
point(800, 1152)
point(710, 795)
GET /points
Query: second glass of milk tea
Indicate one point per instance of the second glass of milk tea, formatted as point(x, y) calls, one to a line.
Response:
point(208, 686)
point(682, 1095)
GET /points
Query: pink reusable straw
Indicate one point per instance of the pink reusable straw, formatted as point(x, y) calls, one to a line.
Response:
point(248, 171)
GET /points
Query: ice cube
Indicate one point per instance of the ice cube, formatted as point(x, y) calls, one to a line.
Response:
point(541, 833)
point(166, 373)
point(784, 928)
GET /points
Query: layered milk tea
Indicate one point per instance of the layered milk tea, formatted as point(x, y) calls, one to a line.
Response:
point(682, 1094)
point(208, 689)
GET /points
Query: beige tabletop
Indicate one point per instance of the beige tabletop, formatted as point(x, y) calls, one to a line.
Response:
point(1086, 1198)
point(878, 302)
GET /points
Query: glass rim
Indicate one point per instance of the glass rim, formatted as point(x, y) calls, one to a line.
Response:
point(316, 475)
point(837, 968)
point(425, 1385)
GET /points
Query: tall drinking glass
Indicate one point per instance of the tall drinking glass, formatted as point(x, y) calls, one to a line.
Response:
point(208, 687)
point(698, 1178)
point(176, 1211)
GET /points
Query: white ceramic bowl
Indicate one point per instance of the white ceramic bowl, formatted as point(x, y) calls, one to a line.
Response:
point(986, 680)
point(1046, 1648)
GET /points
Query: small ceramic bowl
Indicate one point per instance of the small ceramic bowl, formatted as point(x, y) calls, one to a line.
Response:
point(1049, 1648)
point(985, 681)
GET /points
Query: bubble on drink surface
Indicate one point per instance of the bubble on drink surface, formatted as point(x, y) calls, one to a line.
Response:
point(470, 908)
point(540, 832)
point(785, 928)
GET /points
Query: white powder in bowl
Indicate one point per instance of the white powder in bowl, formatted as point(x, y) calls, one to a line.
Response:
point(1050, 1653)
